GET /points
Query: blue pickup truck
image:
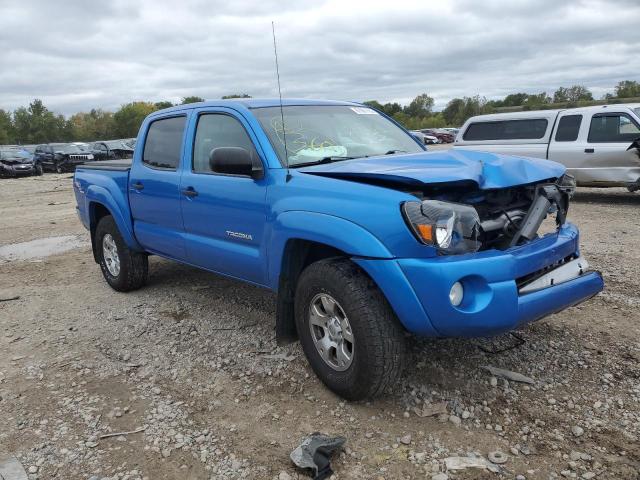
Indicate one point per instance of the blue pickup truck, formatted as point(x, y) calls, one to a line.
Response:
point(362, 234)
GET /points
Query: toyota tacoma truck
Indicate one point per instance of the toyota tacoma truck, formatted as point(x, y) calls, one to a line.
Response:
point(361, 233)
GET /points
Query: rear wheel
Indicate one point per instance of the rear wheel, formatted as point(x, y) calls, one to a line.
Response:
point(348, 331)
point(123, 269)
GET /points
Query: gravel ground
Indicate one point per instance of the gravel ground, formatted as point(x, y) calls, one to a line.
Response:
point(189, 366)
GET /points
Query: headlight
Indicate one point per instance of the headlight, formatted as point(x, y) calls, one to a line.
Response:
point(450, 227)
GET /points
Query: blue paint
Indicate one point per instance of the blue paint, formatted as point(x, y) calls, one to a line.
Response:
point(239, 227)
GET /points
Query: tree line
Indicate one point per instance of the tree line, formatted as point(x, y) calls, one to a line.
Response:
point(419, 112)
point(37, 124)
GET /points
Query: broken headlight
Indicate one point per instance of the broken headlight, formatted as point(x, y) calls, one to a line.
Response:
point(450, 227)
point(567, 184)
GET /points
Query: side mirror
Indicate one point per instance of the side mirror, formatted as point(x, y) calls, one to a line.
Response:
point(234, 161)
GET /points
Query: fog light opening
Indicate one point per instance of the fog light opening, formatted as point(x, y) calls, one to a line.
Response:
point(456, 293)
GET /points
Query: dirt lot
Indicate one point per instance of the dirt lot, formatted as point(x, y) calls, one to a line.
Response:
point(192, 360)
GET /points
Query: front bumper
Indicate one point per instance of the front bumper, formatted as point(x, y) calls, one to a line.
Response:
point(17, 170)
point(418, 288)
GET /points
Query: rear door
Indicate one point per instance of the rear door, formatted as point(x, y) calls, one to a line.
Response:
point(154, 187)
point(568, 140)
point(224, 215)
point(607, 159)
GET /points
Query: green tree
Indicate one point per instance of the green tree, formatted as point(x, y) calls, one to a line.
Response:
point(628, 88)
point(537, 99)
point(391, 108)
point(458, 110)
point(163, 104)
point(515, 99)
point(192, 99)
point(374, 104)
point(129, 117)
point(37, 124)
point(235, 95)
point(572, 94)
point(7, 134)
point(421, 106)
point(94, 125)
point(453, 111)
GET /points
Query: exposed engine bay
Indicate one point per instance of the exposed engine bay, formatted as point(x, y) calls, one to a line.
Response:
point(505, 217)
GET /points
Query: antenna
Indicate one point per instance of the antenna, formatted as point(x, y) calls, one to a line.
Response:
point(284, 130)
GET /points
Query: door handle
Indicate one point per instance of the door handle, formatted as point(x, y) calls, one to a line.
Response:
point(589, 150)
point(189, 192)
point(137, 186)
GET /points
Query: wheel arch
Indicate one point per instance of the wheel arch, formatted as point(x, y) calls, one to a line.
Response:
point(101, 204)
point(300, 238)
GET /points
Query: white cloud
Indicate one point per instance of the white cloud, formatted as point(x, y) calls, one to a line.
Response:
point(76, 55)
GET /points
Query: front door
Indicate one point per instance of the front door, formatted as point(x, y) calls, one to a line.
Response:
point(607, 149)
point(154, 188)
point(224, 215)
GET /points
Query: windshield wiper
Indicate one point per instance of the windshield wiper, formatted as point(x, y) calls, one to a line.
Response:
point(391, 152)
point(330, 159)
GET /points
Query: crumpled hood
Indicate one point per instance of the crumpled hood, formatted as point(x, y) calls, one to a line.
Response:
point(14, 161)
point(488, 170)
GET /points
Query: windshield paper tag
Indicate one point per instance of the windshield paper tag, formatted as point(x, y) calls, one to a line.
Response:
point(364, 111)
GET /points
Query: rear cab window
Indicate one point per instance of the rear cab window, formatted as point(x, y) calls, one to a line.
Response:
point(525, 129)
point(568, 128)
point(613, 128)
point(163, 143)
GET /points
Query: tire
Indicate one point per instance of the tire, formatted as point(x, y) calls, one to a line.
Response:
point(133, 267)
point(38, 170)
point(58, 168)
point(378, 347)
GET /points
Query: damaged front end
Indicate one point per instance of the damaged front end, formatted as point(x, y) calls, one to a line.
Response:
point(456, 219)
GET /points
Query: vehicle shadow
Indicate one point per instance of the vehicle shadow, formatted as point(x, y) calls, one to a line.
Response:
point(608, 196)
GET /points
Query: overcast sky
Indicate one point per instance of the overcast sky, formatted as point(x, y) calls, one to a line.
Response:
point(79, 54)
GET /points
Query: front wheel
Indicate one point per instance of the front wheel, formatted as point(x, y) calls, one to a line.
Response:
point(58, 168)
point(122, 268)
point(348, 331)
point(38, 170)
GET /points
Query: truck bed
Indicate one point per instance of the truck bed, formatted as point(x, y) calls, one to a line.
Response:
point(117, 165)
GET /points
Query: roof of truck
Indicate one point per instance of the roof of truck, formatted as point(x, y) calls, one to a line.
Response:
point(524, 114)
point(257, 103)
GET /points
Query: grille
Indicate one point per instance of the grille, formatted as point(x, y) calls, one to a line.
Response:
point(522, 281)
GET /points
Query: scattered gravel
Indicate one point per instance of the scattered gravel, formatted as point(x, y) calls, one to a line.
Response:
point(190, 363)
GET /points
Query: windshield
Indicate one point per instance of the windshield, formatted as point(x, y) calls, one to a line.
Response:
point(13, 154)
point(70, 149)
point(314, 133)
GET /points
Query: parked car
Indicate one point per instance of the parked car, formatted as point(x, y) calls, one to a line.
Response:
point(16, 162)
point(60, 157)
point(423, 137)
point(442, 135)
point(362, 234)
point(598, 145)
point(451, 130)
point(110, 149)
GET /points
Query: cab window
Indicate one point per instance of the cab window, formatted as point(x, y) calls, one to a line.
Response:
point(216, 131)
point(613, 127)
point(568, 128)
point(163, 145)
point(527, 129)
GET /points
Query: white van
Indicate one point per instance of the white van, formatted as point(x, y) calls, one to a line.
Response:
point(599, 145)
